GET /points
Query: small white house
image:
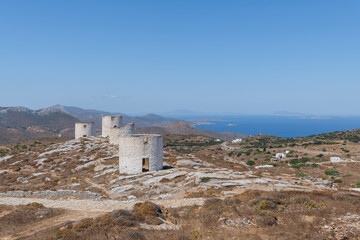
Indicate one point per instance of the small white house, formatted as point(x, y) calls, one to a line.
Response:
point(264, 166)
point(335, 159)
point(280, 155)
point(238, 140)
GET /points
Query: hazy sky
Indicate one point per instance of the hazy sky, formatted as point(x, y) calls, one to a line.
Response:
point(133, 56)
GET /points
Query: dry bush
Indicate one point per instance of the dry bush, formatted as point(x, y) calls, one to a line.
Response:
point(264, 221)
point(84, 223)
point(123, 217)
point(148, 212)
point(135, 235)
point(208, 193)
point(249, 195)
point(300, 199)
point(164, 180)
point(36, 205)
point(211, 202)
point(63, 234)
point(198, 194)
point(22, 215)
point(266, 204)
point(346, 197)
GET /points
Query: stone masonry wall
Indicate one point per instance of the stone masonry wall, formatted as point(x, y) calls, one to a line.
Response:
point(133, 148)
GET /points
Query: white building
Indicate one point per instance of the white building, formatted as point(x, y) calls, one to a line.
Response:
point(280, 156)
point(115, 133)
point(84, 129)
point(113, 127)
point(335, 159)
point(238, 140)
point(140, 153)
point(109, 123)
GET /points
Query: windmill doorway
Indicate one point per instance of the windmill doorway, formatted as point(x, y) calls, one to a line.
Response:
point(145, 164)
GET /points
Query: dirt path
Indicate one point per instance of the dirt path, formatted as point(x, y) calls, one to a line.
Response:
point(98, 186)
point(52, 222)
point(97, 205)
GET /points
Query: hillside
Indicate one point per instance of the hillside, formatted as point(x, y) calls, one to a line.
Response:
point(72, 189)
point(91, 115)
point(20, 123)
point(183, 128)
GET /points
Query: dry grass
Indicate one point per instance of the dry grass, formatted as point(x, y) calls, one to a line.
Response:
point(16, 218)
point(272, 215)
point(119, 224)
point(250, 215)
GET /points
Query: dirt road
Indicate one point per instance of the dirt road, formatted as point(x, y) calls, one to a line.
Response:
point(96, 205)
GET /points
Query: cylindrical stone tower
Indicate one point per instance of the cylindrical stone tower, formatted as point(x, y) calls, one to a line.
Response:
point(140, 153)
point(83, 129)
point(110, 122)
point(115, 133)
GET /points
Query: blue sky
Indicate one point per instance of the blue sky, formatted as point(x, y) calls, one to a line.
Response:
point(246, 57)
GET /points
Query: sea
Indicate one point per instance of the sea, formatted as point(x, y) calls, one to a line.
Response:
point(281, 126)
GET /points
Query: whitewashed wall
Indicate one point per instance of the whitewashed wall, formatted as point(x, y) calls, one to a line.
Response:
point(83, 129)
point(110, 122)
point(133, 148)
point(115, 133)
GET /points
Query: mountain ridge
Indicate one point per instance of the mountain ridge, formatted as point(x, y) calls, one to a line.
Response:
point(21, 123)
point(92, 115)
point(183, 128)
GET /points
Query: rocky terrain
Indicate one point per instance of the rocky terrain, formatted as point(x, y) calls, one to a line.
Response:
point(241, 188)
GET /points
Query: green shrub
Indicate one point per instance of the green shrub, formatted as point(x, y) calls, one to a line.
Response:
point(345, 150)
point(230, 154)
point(250, 163)
point(338, 181)
point(304, 160)
point(294, 161)
point(204, 179)
point(331, 172)
point(358, 185)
